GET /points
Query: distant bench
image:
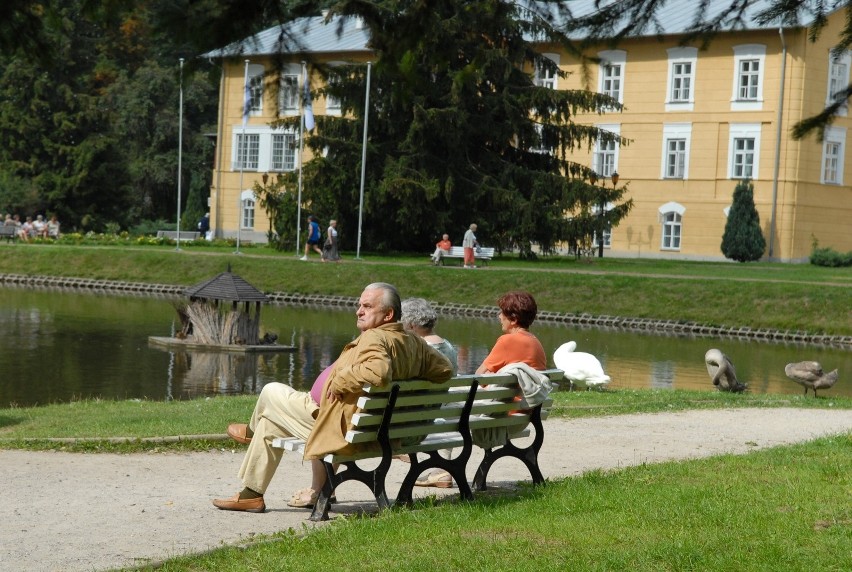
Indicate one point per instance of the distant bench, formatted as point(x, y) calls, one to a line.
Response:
point(9, 232)
point(483, 254)
point(184, 234)
point(411, 417)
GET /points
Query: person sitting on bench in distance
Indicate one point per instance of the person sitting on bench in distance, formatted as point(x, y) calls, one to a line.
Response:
point(382, 353)
point(442, 247)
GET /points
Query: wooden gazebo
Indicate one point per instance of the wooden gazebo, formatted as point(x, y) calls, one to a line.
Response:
point(220, 311)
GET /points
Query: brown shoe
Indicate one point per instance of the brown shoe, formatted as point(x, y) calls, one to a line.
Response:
point(239, 433)
point(236, 503)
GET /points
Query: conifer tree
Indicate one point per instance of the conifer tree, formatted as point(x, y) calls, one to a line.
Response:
point(743, 240)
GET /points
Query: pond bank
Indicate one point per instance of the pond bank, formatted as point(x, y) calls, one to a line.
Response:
point(648, 325)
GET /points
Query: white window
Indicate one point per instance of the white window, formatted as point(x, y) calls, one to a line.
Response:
point(607, 231)
point(605, 158)
point(681, 80)
point(248, 152)
point(543, 146)
point(611, 73)
point(838, 79)
point(744, 153)
point(671, 217)
point(247, 209)
point(289, 79)
point(256, 90)
point(749, 63)
point(544, 77)
point(332, 104)
point(283, 152)
point(833, 150)
point(676, 142)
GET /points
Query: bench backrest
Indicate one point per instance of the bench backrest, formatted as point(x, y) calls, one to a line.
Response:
point(424, 408)
point(483, 252)
point(184, 235)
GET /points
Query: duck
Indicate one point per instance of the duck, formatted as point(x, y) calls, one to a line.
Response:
point(722, 371)
point(581, 369)
point(810, 375)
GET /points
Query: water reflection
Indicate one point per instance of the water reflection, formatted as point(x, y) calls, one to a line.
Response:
point(60, 346)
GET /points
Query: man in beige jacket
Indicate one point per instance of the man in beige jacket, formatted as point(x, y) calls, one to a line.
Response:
point(384, 352)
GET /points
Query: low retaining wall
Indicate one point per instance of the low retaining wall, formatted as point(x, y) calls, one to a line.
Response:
point(646, 325)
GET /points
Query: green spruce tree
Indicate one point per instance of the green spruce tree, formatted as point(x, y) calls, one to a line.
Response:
point(743, 240)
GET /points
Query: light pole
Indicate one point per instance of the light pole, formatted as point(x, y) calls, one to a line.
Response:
point(180, 155)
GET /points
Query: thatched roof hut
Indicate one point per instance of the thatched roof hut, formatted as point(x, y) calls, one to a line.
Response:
point(213, 322)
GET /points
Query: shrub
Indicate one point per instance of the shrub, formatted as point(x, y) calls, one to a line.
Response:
point(743, 240)
point(830, 257)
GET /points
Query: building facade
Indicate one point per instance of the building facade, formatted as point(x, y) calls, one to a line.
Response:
point(698, 121)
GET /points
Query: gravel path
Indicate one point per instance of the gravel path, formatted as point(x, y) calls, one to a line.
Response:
point(87, 512)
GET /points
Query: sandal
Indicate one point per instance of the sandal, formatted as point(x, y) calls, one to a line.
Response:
point(304, 498)
point(437, 478)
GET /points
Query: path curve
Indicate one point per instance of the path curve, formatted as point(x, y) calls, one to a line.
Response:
point(88, 512)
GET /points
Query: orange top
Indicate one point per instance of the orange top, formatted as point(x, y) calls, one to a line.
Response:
point(444, 244)
point(521, 346)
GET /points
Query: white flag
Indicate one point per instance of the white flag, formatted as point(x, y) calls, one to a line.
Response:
point(246, 100)
point(309, 110)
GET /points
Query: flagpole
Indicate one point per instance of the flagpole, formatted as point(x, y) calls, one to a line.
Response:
point(242, 150)
point(363, 162)
point(301, 156)
point(180, 154)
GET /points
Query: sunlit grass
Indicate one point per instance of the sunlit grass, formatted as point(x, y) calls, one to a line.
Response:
point(785, 508)
point(140, 425)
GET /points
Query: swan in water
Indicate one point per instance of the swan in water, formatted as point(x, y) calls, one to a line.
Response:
point(722, 371)
point(580, 368)
point(810, 375)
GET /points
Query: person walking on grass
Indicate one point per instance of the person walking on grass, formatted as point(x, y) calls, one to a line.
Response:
point(313, 237)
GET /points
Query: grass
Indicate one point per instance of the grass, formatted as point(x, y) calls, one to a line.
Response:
point(785, 508)
point(760, 295)
point(139, 425)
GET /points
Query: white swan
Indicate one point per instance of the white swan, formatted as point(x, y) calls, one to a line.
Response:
point(582, 369)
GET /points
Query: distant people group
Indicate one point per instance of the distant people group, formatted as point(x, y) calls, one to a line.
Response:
point(29, 229)
point(329, 251)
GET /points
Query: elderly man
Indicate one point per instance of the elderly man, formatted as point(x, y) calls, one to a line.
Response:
point(384, 352)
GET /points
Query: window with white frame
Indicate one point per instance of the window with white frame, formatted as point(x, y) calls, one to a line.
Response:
point(543, 146)
point(744, 151)
point(611, 73)
point(676, 142)
point(833, 150)
point(288, 89)
point(547, 77)
point(248, 152)
point(749, 63)
point(247, 202)
point(671, 217)
point(605, 158)
point(838, 79)
point(607, 231)
point(681, 80)
point(332, 104)
point(256, 92)
point(283, 152)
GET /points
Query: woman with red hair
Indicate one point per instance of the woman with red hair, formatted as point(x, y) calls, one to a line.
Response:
point(517, 313)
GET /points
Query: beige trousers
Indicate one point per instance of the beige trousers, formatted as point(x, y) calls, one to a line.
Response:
point(281, 411)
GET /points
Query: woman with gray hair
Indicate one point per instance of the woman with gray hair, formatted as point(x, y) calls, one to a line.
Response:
point(419, 316)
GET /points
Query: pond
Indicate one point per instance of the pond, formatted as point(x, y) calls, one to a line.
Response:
point(59, 346)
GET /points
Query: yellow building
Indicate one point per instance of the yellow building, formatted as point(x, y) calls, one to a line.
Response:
point(698, 121)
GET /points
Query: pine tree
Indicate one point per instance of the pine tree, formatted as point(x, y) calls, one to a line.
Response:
point(459, 131)
point(743, 240)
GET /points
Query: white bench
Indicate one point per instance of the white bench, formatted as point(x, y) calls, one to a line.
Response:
point(184, 234)
point(413, 417)
point(482, 254)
